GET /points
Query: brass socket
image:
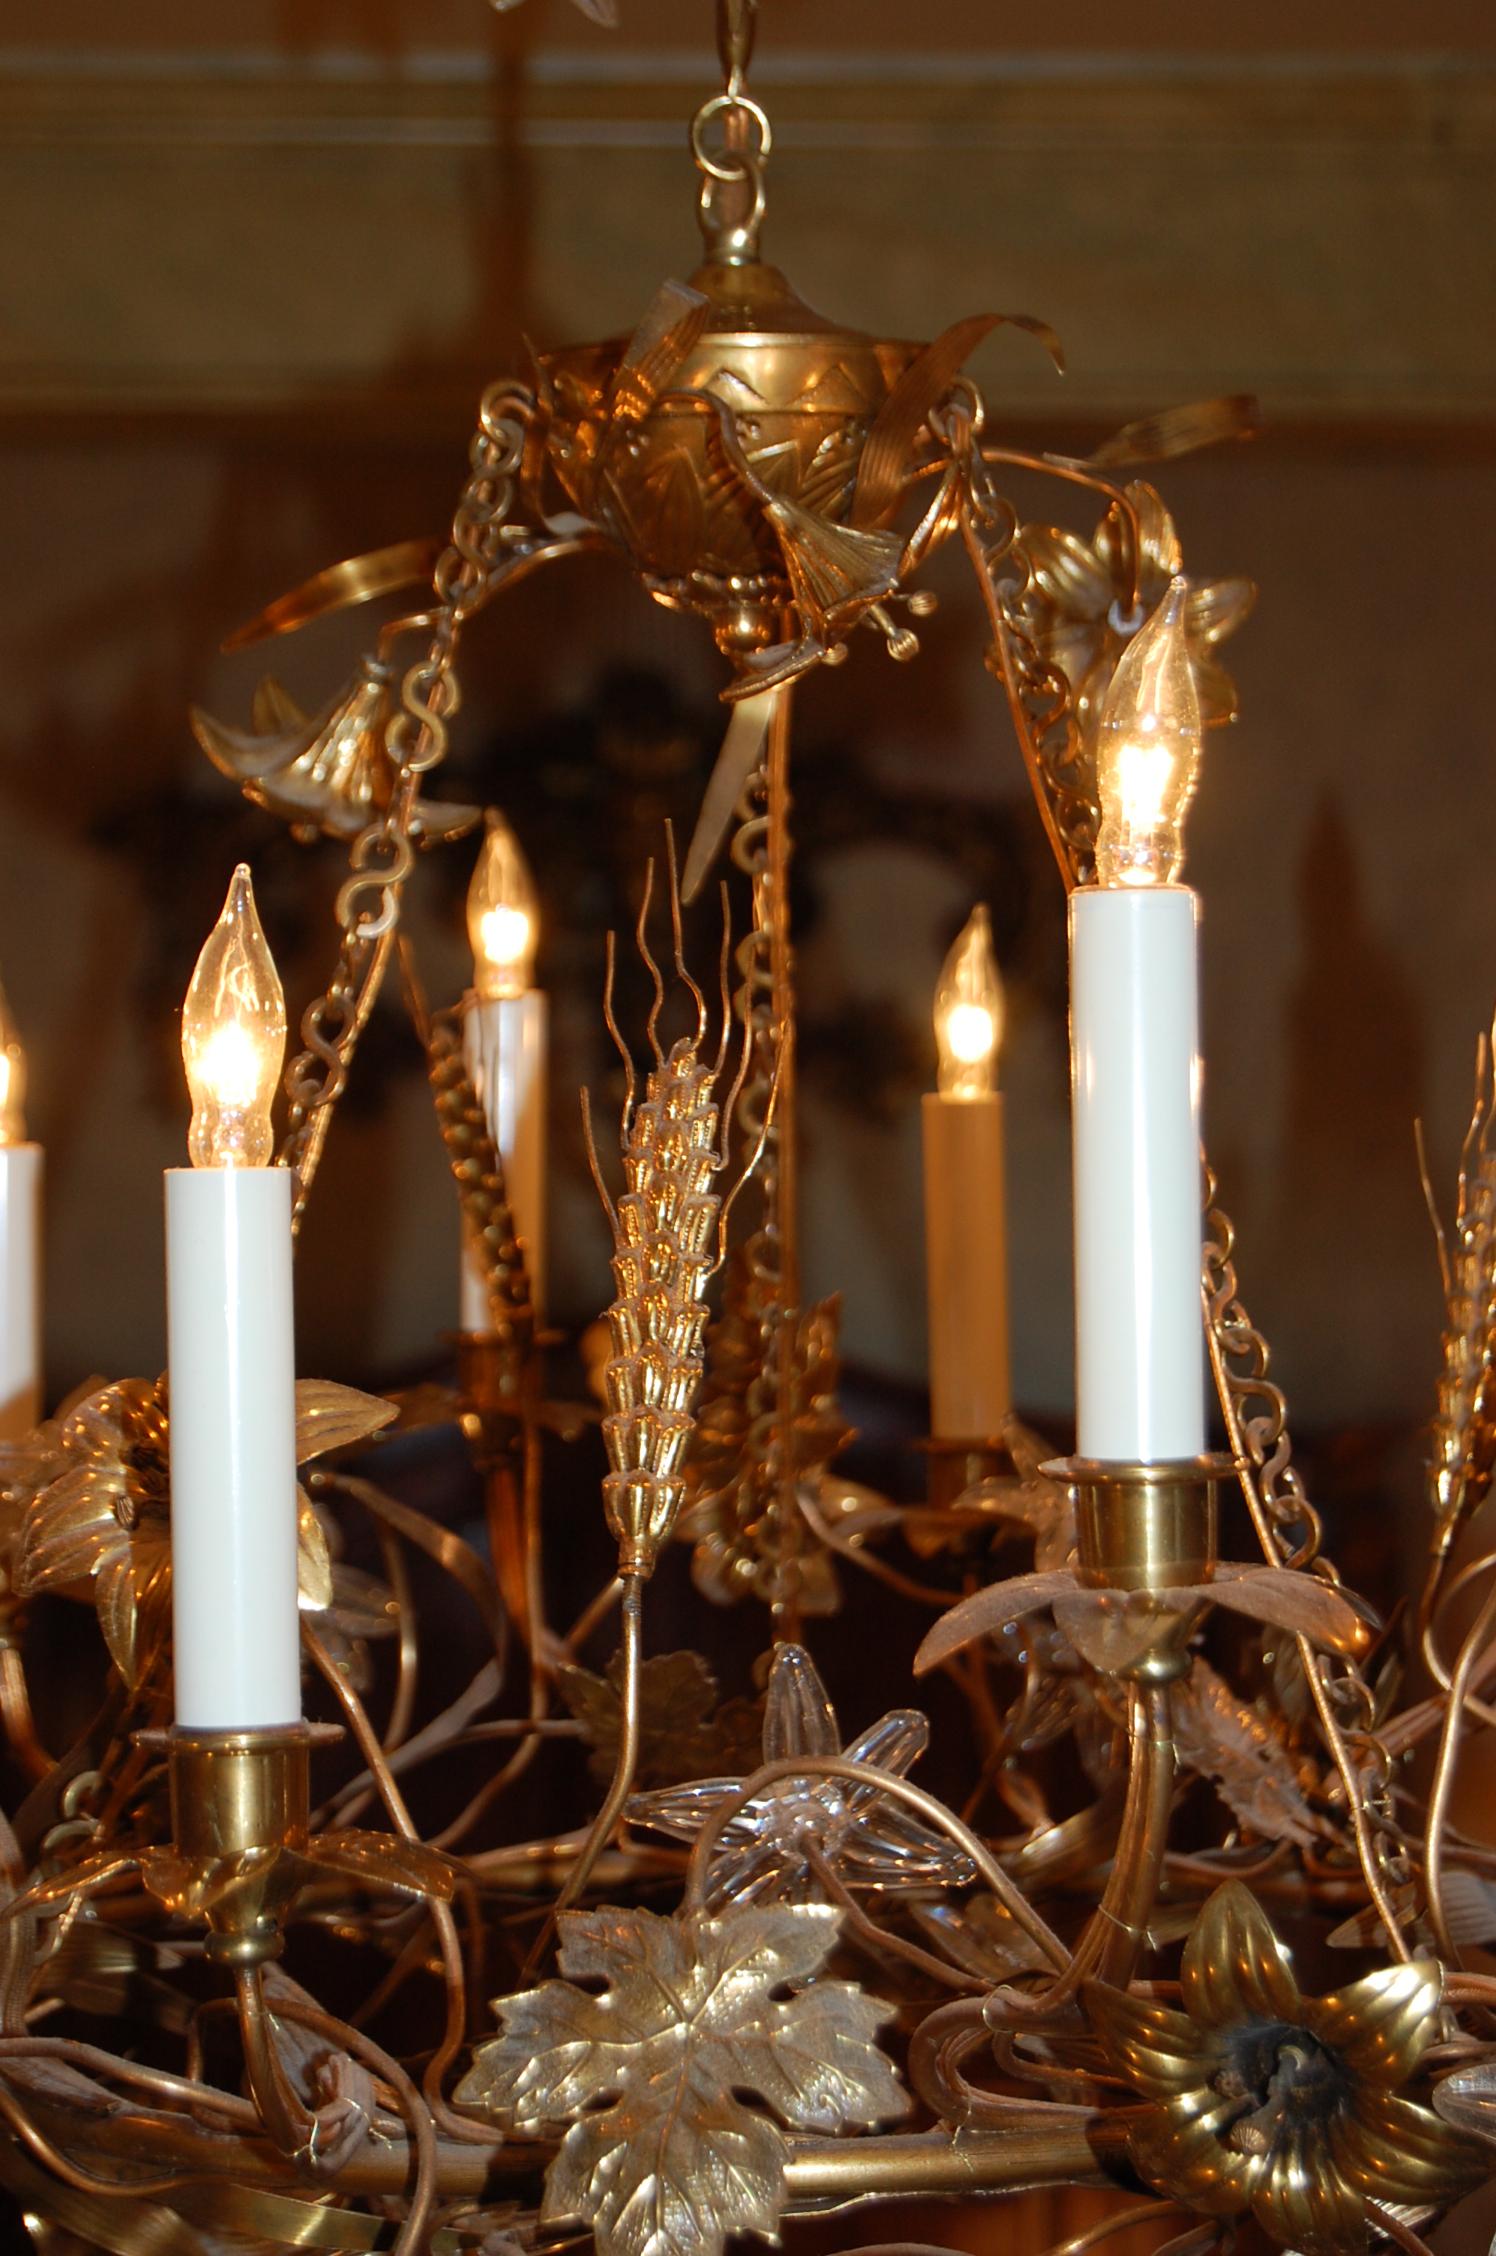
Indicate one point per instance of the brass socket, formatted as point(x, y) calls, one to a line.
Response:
point(1143, 1527)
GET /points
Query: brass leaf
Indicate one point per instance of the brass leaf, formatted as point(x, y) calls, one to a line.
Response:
point(329, 1416)
point(666, 2078)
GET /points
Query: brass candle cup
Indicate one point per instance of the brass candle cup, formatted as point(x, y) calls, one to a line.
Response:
point(1143, 1531)
point(240, 1807)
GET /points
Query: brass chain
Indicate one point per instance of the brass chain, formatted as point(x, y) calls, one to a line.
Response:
point(382, 857)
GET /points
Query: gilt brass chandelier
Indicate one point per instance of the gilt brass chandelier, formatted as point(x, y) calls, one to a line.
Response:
point(243, 2002)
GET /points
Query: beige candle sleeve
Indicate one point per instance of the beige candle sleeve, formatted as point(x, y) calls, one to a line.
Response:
point(966, 1248)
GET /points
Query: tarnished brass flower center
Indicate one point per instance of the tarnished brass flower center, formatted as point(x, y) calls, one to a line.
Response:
point(1281, 2079)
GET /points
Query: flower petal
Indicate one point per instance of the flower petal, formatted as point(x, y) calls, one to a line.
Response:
point(1395, 2152)
point(894, 1743)
point(1382, 2025)
point(1159, 2051)
point(70, 1529)
point(1179, 2150)
point(1234, 1967)
point(1303, 2202)
point(313, 1558)
point(1067, 570)
point(798, 1717)
point(1214, 609)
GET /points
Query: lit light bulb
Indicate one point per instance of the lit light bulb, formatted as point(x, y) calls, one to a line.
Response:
point(1148, 752)
point(501, 915)
point(969, 1012)
point(12, 1080)
point(233, 1038)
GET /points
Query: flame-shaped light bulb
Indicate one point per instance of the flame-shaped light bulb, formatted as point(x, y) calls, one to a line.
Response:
point(12, 1080)
point(233, 1038)
point(1148, 751)
point(969, 1012)
point(501, 915)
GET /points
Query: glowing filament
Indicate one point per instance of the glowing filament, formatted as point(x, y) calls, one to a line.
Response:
point(501, 915)
point(233, 1038)
point(969, 1012)
point(1148, 752)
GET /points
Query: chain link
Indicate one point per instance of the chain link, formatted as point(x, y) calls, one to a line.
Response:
point(382, 857)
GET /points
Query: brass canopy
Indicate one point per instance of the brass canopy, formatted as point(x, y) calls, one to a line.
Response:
point(800, 393)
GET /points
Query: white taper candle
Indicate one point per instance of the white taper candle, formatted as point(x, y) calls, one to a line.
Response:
point(1135, 1054)
point(20, 1289)
point(232, 1376)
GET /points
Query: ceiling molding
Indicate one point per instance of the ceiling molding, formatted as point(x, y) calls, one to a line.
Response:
point(239, 234)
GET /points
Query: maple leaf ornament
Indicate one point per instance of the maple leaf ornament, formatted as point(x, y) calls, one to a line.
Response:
point(674, 2080)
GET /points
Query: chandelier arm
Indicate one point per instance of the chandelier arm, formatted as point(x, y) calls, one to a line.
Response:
point(412, 2238)
point(291, 2126)
point(440, 1914)
point(1116, 1934)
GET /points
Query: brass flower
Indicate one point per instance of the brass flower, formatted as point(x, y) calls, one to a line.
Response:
point(1076, 607)
point(89, 1495)
point(1263, 2100)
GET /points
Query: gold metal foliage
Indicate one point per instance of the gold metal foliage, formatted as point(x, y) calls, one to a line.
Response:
point(1261, 2100)
point(329, 774)
point(686, 1729)
point(746, 1454)
point(671, 2075)
point(87, 1500)
point(1112, 1628)
point(1079, 612)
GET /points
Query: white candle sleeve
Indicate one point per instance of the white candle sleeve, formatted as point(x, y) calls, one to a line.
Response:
point(1140, 1380)
point(20, 1289)
point(232, 1402)
point(966, 1256)
point(504, 1044)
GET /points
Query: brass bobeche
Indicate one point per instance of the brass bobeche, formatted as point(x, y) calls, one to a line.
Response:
point(1144, 1530)
point(240, 1808)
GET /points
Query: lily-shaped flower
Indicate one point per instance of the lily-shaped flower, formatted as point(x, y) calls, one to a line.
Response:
point(769, 1850)
point(1076, 609)
point(89, 1492)
point(1263, 2100)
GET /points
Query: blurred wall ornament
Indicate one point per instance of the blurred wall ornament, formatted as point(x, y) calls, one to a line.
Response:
point(713, 2053)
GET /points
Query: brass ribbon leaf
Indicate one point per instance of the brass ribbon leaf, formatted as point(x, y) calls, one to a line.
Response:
point(889, 453)
point(687, 2026)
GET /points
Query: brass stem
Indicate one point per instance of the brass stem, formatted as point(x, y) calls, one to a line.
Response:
point(290, 2125)
point(632, 1652)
